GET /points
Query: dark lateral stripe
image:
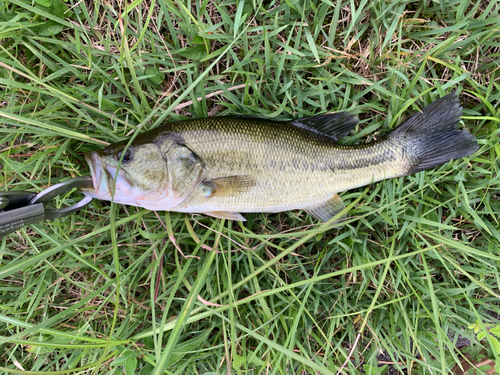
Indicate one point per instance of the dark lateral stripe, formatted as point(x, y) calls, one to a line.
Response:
point(355, 158)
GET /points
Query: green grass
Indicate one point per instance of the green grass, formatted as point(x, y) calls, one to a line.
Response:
point(115, 289)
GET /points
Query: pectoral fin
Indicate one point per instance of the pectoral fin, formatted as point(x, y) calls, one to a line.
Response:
point(227, 186)
point(328, 210)
point(226, 215)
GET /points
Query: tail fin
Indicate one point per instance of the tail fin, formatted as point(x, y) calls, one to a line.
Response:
point(431, 137)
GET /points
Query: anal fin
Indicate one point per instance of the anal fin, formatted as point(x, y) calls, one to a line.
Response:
point(226, 215)
point(328, 209)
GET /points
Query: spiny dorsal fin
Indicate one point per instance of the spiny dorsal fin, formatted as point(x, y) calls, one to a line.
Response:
point(226, 215)
point(335, 125)
point(328, 210)
point(227, 186)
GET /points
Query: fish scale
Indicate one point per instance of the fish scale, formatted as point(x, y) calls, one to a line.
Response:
point(282, 161)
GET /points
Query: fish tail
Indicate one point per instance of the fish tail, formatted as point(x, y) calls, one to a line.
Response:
point(431, 137)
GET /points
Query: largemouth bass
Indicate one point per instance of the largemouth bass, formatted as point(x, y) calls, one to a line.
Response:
point(222, 166)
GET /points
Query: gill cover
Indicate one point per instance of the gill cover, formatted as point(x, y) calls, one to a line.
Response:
point(185, 169)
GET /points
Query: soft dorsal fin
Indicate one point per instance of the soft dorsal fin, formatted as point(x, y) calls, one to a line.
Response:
point(227, 186)
point(328, 209)
point(334, 125)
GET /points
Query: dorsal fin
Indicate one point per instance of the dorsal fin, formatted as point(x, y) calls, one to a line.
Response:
point(334, 125)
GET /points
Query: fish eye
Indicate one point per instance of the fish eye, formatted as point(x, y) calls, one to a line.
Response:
point(127, 157)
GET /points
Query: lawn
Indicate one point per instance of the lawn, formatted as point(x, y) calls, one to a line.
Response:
point(119, 289)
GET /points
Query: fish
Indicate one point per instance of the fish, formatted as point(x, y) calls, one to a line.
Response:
point(225, 166)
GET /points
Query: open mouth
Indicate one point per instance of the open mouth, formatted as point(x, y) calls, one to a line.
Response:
point(100, 186)
point(103, 179)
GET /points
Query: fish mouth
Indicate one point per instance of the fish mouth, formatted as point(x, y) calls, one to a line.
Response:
point(100, 188)
point(119, 180)
point(103, 180)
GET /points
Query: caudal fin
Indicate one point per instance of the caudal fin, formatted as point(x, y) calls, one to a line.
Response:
point(431, 137)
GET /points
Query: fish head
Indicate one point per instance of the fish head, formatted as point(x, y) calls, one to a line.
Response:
point(136, 175)
point(153, 175)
